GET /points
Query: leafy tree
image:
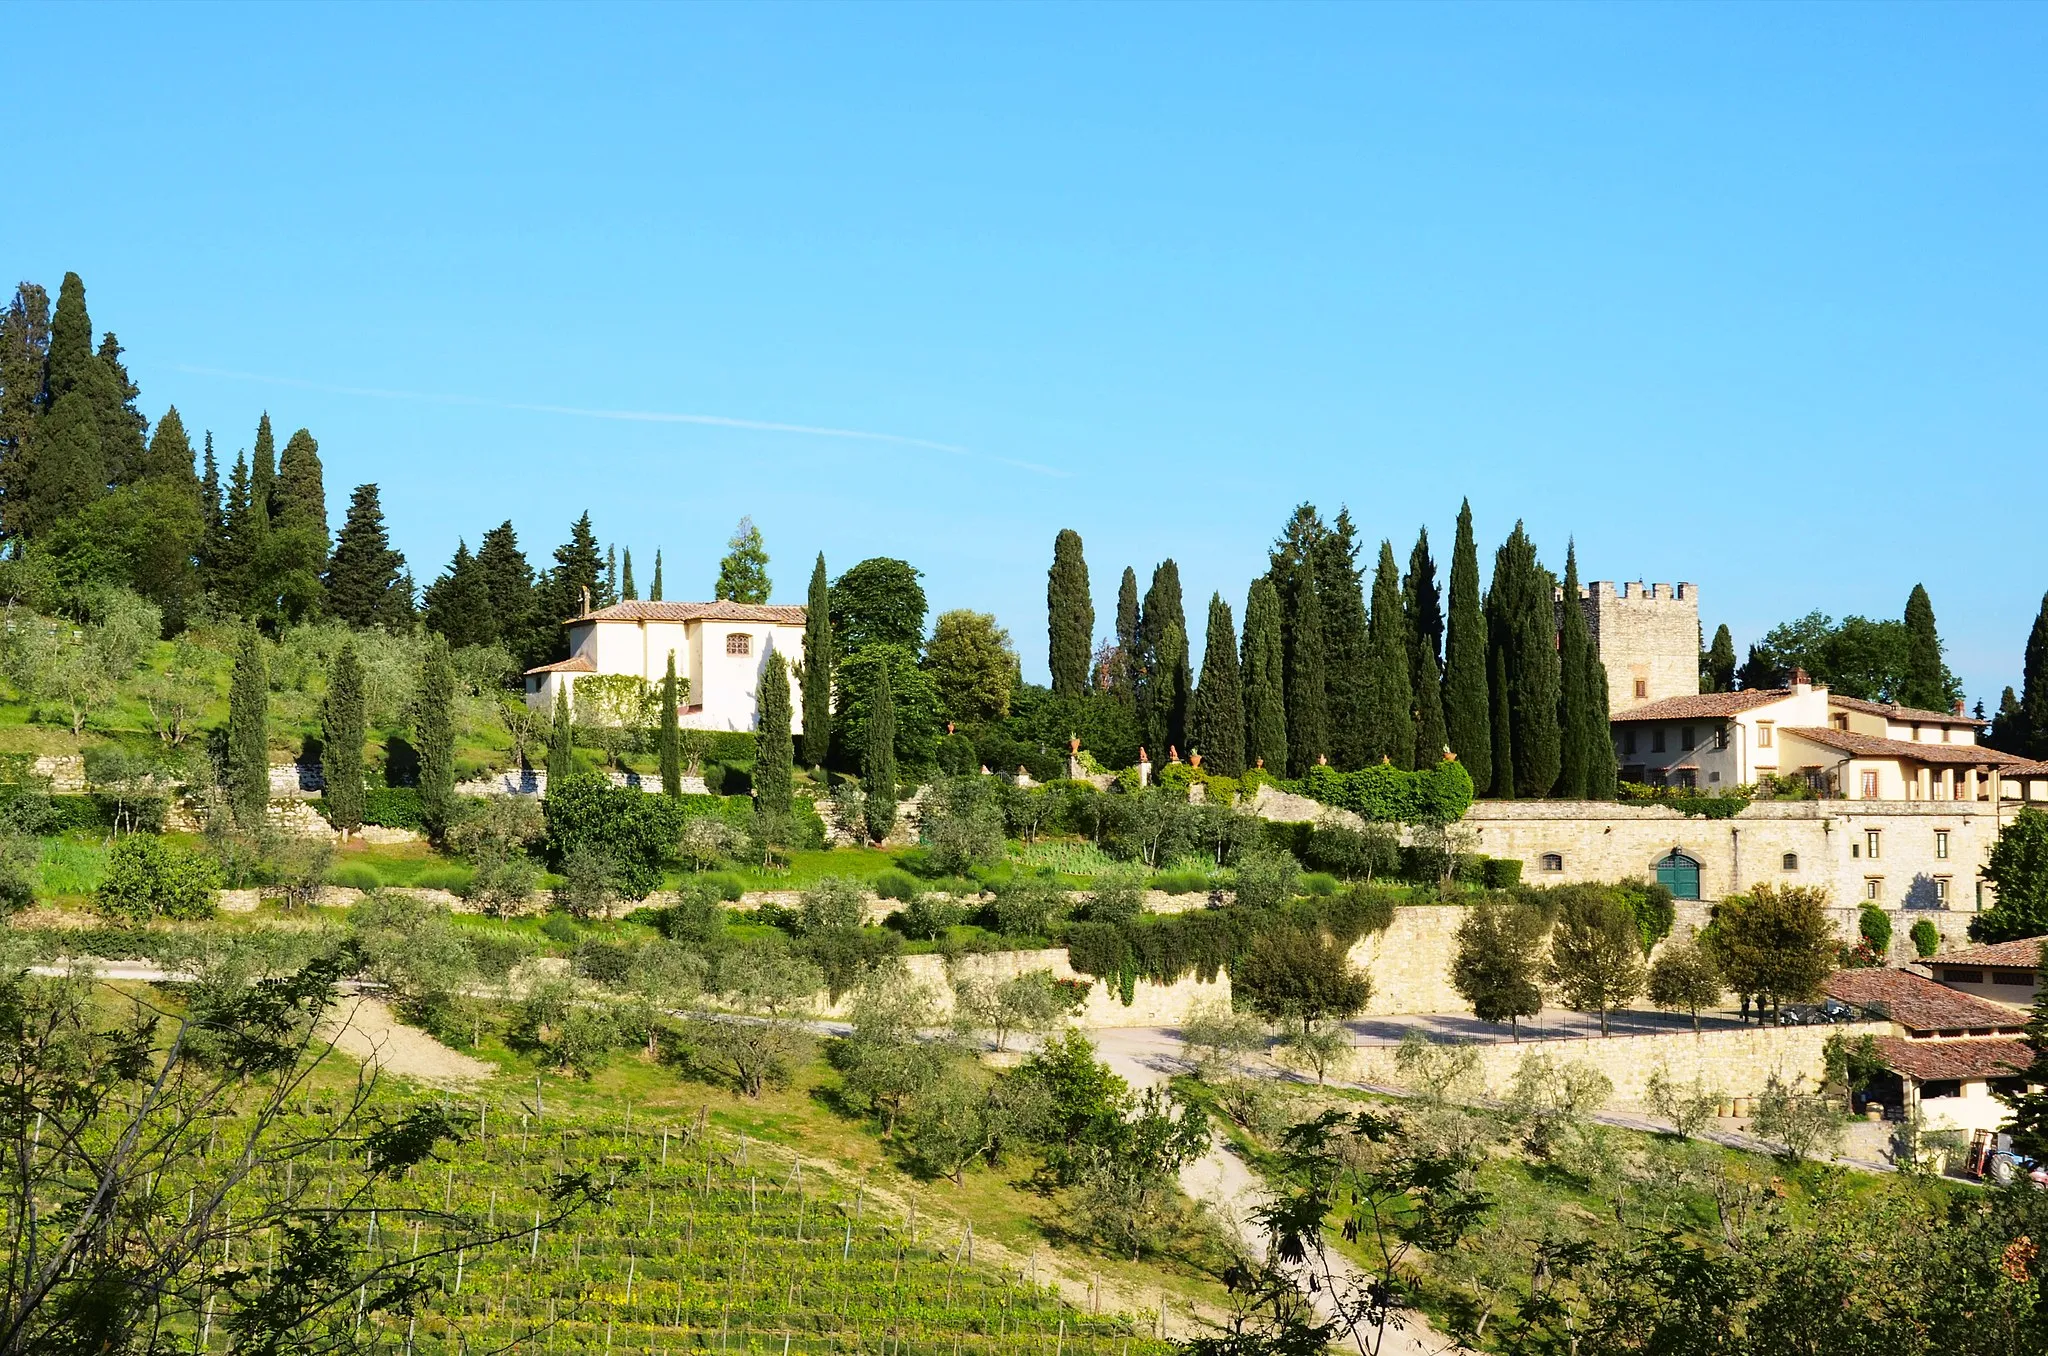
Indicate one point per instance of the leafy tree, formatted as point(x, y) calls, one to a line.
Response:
point(878, 761)
point(626, 829)
point(1926, 683)
point(773, 750)
point(1308, 737)
point(1123, 677)
point(1595, 960)
point(231, 558)
point(1468, 709)
point(342, 732)
point(1857, 657)
point(1775, 944)
point(913, 697)
point(2008, 731)
point(1355, 696)
point(1685, 978)
point(743, 572)
point(1216, 726)
point(434, 737)
point(671, 737)
point(1602, 769)
point(883, 1060)
point(1293, 975)
point(1083, 1103)
point(1499, 962)
point(816, 671)
point(771, 985)
point(1577, 730)
point(2018, 869)
point(878, 601)
point(494, 833)
point(972, 666)
point(1875, 927)
point(2028, 1123)
point(150, 877)
point(561, 742)
point(300, 497)
point(611, 577)
point(961, 824)
point(1390, 705)
point(363, 576)
point(1717, 663)
point(1265, 712)
point(248, 742)
point(1128, 1195)
point(1070, 616)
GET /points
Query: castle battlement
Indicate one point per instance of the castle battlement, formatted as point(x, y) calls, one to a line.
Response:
point(1640, 592)
point(1648, 637)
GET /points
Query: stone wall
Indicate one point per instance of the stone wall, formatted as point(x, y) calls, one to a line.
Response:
point(1151, 1004)
point(1644, 633)
point(1410, 963)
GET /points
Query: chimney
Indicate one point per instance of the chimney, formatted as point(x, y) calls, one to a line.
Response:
point(1802, 682)
point(1958, 708)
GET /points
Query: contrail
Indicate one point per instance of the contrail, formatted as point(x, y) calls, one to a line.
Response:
point(628, 416)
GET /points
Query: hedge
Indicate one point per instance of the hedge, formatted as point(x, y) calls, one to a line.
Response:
point(393, 807)
point(1163, 948)
point(1437, 794)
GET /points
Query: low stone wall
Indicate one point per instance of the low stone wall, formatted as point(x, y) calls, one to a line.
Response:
point(1410, 963)
point(1151, 1004)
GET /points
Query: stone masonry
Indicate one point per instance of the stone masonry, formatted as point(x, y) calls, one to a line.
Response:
point(1648, 636)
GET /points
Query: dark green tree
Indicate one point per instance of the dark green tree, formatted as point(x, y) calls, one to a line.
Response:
point(1168, 696)
point(1308, 733)
point(508, 583)
point(169, 458)
point(1217, 725)
point(611, 592)
point(1070, 616)
point(1521, 624)
point(300, 497)
point(1602, 770)
point(1927, 684)
point(458, 604)
point(209, 485)
point(627, 591)
point(1503, 728)
point(69, 471)
point(231, 559)
point(561, 743)
point(743, 572)
point(434, 737)
point(2008, 731)
point(878, 601)
point(1576, 730)
point(878, 761)
point(654, 585)
point(71, 363)
point(248, 741)
point(2028, 1124)
point(1431, 740)
point(364, 572)
point(774, 750)
point(2034, 686)
point(1717, 663)
point(671, 732)
point(1499, 963)
point(263, 471)
point(1423, 601)
point(122, 426)
point(293, 557)
point(1351, 679)
point(2018, 869)
point(1265, 684)
point(342, 732)
point(1389, 715)
point(1468, 708)
point(24, 361)
point(575, 581)
point(1123, 677)
point(816, 671)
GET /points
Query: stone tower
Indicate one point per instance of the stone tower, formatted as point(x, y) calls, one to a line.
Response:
point(1648, 636)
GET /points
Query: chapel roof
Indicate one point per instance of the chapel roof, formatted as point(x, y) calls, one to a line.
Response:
point(637, 610)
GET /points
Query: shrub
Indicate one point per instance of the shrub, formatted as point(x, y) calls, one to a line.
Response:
point(560, 928)
point(630, 829)
point(894, 884)
point(355, 876)
point(150, 877)
point(1319, 884)
point(393, 807)
point(1352, 853)
point(1926, 939)
point(1505, 873)
point(724, 885)
point(1875, 927)
point(928, 917)
point(1437, 794)
point(1265, 880)
point(451, 877)
point(1180, 882)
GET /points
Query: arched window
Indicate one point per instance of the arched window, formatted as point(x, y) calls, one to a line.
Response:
point(1791, 861)
point(1553, 861)
point(1680, 875)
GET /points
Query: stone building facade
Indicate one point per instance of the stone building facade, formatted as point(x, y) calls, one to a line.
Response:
point(1647, 636)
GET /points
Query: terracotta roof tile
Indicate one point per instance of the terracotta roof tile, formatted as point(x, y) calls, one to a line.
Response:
point(575, 663)
point(638, 611)
point(2039, 769)
point(1928, 1060)
point(1917, 1003)
point(2024, 953)
point(1892, 711)
point(1874, 746)
point(1704, 705)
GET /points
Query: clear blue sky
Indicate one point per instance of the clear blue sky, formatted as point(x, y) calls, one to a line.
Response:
point(1751, 297)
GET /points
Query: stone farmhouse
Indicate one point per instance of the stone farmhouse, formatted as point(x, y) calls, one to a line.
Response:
point(1948, 1053)
point(2004, 972)
point(719, 648)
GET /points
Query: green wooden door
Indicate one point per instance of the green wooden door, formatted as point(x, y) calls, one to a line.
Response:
point(1680, 875)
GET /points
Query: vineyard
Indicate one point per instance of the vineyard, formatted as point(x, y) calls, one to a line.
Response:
point(709, 1241)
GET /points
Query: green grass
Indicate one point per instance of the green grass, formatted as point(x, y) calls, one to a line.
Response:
point(1082, 859)
point(808, 868)
point(71, 868)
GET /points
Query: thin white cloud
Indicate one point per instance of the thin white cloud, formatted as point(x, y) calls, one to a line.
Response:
point(629, 416)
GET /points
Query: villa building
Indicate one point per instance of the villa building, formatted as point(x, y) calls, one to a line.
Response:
point(719, 649)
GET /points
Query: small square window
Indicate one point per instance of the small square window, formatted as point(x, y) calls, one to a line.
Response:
point(1721, 736)
point(1628, 741)
point(1764, 731)
point(1686, 778)
point(1941, 888)
point(1941, 844)
point(1869, 786)
point(1791, 862)
point(1553, 861)
point(739, 643)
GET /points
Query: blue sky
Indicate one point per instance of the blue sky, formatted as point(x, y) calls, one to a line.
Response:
point(1747, 296)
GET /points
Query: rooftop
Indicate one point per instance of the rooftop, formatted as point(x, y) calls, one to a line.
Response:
point(1929, 1060)
point(1919, 1004)
point(573, 664)
point(1893, 711)
point(1703, 706)
point(2023, 953)
point(1874, 746)
point(638, 611)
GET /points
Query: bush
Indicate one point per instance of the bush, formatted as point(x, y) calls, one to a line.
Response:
point(1505, 873)
point(356, 876)
point(392, 807)
point(630, 829)
point(1318, 884)
point(894, 884)
point(1180, 882)
point(928, 918)
point(724, 885)
point(150, 877)
point(1351, 853)
point(1926, 939)
point(1437, 794)
point(1875, 927)
point(560, 928)
point(957, 756)
point(452, 878)
point(1265, 880)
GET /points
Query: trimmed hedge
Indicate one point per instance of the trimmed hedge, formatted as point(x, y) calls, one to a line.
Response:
point(392, 807)
point(1437, 794)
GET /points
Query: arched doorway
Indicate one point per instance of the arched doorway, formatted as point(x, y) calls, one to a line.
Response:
point(1680, 875)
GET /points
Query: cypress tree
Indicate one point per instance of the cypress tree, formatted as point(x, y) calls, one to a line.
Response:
point(24, 363)
point(1576, 732)
point(209, 486)
point(1717, 665)
point(122, 426)
point(248, 742)
point(654, 584)
point(363, 574)
point(169, 458)
point(1430, 739)
point(1070, 616)
point(299, 498)
point(1602, 771)
point(626, 590)
point(1162, 611)
point(263, 470)
point(508, 583)
point(1168, 696)
point(611, 577)
point(234, 552)
point(434, 736)
point(1389, 717)
point(1503, 741)
point(1218, 719)
point(818, 667)
point(2033, 724)
point(1349, 662)
point(1522, 627)
point(671, 733)
point(561, 742)
point(1468, 710)
point(69, 471)
point(459, 602)
point(774, 751)
point(1925, 683)
point(1265, 710)
point(1308, 734)
point(1423, 602)
point(878, 761)
point(71, 364)
point(1124, 680)
point(342, 730)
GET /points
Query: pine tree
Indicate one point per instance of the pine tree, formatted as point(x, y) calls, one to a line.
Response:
point(434, 737)
point(671, 732)
point(233, 555)
point(1168, 694)
point(342, 731)
point(508, 583)
point(1576, 734)
point(1389, 715)
point(458, 604)
point(818, 667)
point(743, 573)
point(2008, 732)
point(1503, 739)
point(248, 742)
point(1218, 719)
point(169, 458)
point(1925, 683)
point(1070, 616)
point(122, 426)
point(627, 592)
point(561, 742)
point(1522, 626)
point(1468, 707)
point(1263, 658)
point(24, 361)
point(69, 471)
point(1717, 665)
point(209, 486)
point(575, 582)
point(363, 575)
point(774, 752)
point(654, 585)
point(1423, 601)
point(263, 471)
point(1430, 739)
point(1124, 680)
point(878, 762)
point(2033, 725)
point(1350, 675)
point(1308, 734)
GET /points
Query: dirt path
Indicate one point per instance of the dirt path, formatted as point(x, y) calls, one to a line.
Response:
point(365, 1029)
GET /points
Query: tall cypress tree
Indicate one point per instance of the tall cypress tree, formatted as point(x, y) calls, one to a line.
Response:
point(671, 732)
point(1217, 725)
point(878, 761)
point(209, 485)
point(342, 730)
point(1576, 732)
point(1925, 683)
point(458, 604)
point(561, 742)
point(1468, 709)
point(169, 458)
point(72, 365)
point(818, 667)
point(363, 574)
point(1717, 665)
point(654, 584)
point(1263, 656)
point(434, 736)
point(1602, 770)
point(1430, 738)
point(123, 428)
point(1308, 733)
point(1156, 687)
point(627, 592)
point(1389, 716)
point(1349, 666)
point(1503, 740)
point(233, 555)
point(1521, 625)
point(1124, 681)
point(300, 496)
point(69, 470)
point(1070, 616)
point(774, 751)
point(24, 364)
point(1168, 694)
point(248, 742)
point(1423, 601)
point(611, 577)
point(2033, 723)
point(263, 470)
